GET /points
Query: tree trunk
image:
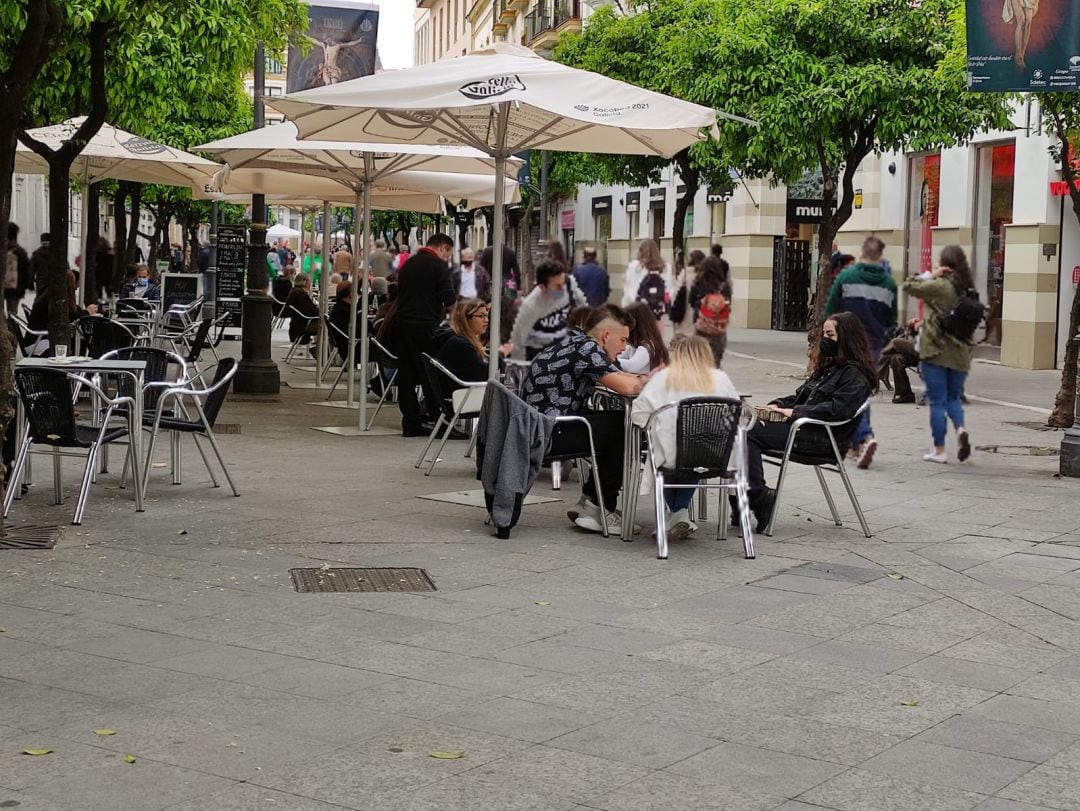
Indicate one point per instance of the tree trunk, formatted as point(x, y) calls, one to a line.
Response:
point(1064, 412)
point(89, 249)
point(691, 178)
point(133, 224)
point(59, 316)
point(123, 189)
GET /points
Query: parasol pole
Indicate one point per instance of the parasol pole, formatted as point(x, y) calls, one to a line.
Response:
point(369, 171)
point(495, 325)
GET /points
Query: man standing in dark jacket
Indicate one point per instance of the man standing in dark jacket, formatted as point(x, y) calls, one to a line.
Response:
point(13, 295)
point(867, 291)
point(592, 279)
point(425, 290)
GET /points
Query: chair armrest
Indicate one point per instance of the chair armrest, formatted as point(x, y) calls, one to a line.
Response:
point(801, 421)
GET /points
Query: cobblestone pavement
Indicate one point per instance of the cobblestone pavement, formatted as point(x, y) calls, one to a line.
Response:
point(933, 666)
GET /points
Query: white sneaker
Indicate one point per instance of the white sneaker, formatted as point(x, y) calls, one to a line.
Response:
point(936, 458)
point(679, 525)
point(589, 519)
point(575, 511)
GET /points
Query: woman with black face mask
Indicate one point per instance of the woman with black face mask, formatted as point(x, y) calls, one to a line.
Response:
point(843, 377)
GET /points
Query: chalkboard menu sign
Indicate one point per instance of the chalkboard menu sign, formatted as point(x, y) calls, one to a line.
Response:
point(232, 246)
point(231, 270)
point(179, 288)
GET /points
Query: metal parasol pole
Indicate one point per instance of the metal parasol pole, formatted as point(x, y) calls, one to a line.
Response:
point(353, 306)
point(324, 293)
point(495, 325)
point(369, 171)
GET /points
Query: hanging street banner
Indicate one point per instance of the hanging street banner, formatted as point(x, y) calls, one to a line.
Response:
point(1023, 45)
point(341, 37)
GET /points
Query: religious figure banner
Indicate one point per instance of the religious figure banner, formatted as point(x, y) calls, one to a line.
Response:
point(1023, 45)
point(341, 37)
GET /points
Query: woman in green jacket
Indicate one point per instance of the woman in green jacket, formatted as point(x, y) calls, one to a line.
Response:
point(944, 359)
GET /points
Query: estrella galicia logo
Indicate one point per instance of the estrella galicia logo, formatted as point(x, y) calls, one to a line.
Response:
point(489, 88)
point(143, 146)
point(581, 108)
point(412, 119)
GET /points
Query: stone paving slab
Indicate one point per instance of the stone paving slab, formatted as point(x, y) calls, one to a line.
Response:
point(933, 666)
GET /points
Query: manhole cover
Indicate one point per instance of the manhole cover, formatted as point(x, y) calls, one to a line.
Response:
point(227, 428)
point(308, 581)
point(36, 537)
point(1018, 450)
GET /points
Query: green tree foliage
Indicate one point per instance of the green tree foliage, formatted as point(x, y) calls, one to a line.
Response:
point(829, 81)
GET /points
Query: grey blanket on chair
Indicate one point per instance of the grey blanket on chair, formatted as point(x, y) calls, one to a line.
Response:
point(512, 442)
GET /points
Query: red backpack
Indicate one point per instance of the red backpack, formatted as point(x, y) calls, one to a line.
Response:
point(714, 313)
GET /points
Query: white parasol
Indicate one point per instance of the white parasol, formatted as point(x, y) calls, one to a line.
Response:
point(501, 101)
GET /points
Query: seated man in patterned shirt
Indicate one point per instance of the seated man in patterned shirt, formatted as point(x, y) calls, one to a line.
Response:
point(559, 383)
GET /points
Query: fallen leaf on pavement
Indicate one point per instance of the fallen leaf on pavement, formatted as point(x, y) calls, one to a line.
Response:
point(129, 758)
point(446, 755)
point(895, 576)
point(909, 702)
point(36, 751)
point(104, 732)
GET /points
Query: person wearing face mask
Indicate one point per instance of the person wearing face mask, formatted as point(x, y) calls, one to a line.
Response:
point(559, 382)
point(541, 319)
point(470, 280)
point(140, 286)
point(425, 289)
point(844, 376)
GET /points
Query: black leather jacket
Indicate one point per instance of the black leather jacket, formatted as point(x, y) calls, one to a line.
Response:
point(832, 394)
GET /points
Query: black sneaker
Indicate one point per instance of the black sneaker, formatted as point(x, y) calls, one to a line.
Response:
point(763, 508)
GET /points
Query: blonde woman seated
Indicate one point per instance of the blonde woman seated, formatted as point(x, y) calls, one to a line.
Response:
point(465, 352)
point(692, 372)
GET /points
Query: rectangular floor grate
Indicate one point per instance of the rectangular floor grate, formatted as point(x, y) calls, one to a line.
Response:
point(227, 428)
point(308, 581)
point(35, 537)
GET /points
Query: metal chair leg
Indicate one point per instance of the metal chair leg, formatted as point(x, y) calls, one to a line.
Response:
point(84, 490)
point(202, 453)
point(556, 476)
point(382, 399)
point(854, 500)
point(776, 503)
point(744, 517)
point(174, 455)
point(472, 439)
point(661, 524)
point(431, 440)
point(828, 496)
point(337, 380)
point(445, 437)
point(721, 526)
point(221, 461)
point(595, 473)
point(15, 476)
point(58, 497)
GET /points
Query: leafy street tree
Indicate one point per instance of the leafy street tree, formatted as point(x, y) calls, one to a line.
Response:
point(153, 67)
point(830, 82)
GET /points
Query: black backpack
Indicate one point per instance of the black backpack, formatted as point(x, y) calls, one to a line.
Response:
point(964, 316)
point(653, 291)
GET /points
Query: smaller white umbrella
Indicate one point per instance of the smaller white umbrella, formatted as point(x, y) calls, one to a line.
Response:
point(280, 231)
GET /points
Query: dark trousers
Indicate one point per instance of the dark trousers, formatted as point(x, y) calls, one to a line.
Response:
point(608, 439)
point(410, 340)
point(773, 436)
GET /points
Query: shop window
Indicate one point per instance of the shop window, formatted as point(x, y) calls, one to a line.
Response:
point(997, 166)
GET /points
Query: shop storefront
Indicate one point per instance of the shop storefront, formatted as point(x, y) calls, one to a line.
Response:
point(995, 178)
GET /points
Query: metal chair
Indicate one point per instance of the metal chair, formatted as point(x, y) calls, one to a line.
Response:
point(47, 396)
point(101, 335)
point(708, 430)
point(584, 449)
point(214, 398)
point(30, 341)
point(385, 361)
point(460, 401)
point(279, 313)
point(307, 320)
point(831, 460)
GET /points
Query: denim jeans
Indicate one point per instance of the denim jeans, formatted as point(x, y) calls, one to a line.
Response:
point(944, 388)
point(679, 499)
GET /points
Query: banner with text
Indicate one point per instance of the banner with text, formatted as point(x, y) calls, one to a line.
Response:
point(1023, 45)
point(341, 37)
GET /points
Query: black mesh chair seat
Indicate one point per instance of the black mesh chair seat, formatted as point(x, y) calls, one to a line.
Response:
point(86, 435)
point(704, 473)
point(172, 423)
point(100, 335)
point(804, 457)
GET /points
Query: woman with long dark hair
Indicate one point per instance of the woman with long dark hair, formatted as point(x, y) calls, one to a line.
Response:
point(844, 376)
point(944, 359)
point(682, 315)
point(646, 349)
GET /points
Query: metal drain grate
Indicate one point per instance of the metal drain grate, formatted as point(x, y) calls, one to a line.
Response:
point(227, 428)
point(36, 537)
point(308, 581)
point(1018, 450)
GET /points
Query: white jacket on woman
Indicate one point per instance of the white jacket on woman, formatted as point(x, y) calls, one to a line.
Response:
point(657, 394)
point(635, 275)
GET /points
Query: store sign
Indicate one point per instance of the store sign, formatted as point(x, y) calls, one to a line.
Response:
point(633, 201)
point(805, 211)
point(601, 205)
point(1021, 45)
point(1060, 188)
point(858, 198)
point(657, 197)
point(1076, 274)
point(566, 219)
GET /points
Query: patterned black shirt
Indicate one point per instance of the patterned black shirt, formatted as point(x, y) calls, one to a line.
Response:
point(564, 374)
